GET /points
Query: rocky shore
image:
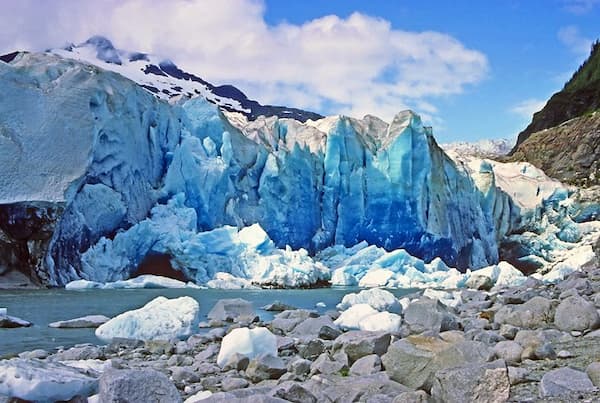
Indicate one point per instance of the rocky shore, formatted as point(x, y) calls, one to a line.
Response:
point(535, 342)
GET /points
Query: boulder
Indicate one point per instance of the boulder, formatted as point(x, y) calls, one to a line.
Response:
point(328, 333)
point(535, 313)
point(479, 282)
point(312, 349)
point(478, 382)
point(299, 367)
point(576, 313)
point(232, 383)
point(90, 321)
point(413, 361)
point(309, 328)
point(248, 342)
point(231, 310)
point(326, 364)
point(509, 351)
point(80, 352)
point(358, 343)
point(286, 321)
point(593, 372)
point(428, 314)
point(367, 365)
point(36, 380)
point(370, 388)
point(565, 382)
point(161, 318)
point(265, 366)
point(142, 385)
point(278, 306)
point(293, 392)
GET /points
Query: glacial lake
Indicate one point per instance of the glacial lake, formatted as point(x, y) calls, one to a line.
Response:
point(42, 307)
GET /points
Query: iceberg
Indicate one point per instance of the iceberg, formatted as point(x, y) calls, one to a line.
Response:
point(159, 319)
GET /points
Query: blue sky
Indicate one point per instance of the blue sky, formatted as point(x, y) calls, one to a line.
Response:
point(472, 69)
point(532, 47)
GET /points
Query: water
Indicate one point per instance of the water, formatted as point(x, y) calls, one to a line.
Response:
point(42, 307)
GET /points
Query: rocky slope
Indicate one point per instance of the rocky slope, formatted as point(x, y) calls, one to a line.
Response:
point(564, 137)
point(533, 342)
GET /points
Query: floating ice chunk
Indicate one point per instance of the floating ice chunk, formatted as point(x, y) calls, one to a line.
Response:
point(378, 299)
point(248, 342)
point(381, 321)
point(44, 381)
point(89, 321)
point(376, 278)
point(160, 318)
point(227, 281)
point(143, 281)
point(351, 318)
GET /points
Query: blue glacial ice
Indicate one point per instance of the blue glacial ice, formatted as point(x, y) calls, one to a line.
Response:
point(273, 202)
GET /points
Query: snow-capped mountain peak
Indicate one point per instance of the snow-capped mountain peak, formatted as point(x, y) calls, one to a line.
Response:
point(167, 81)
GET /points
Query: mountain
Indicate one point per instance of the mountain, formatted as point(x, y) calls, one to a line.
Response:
point(166, 81)
point(563, 138)
point(481, 149)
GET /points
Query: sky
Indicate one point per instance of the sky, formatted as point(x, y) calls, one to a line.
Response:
point(472, 69)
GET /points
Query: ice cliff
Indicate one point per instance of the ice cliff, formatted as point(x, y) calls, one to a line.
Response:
point(136, 176)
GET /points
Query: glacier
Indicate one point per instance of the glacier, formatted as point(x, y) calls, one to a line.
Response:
point(271, 202)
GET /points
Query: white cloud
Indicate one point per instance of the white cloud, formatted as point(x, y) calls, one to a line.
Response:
point(580, 7)
point(528, 107)
point(354, 65)
point(571, 37)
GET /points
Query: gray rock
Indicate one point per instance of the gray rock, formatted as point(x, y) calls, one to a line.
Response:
point(593, 372)
point(544, 351)
point(325, 364)
point(145, 385)
point(309, 328)
point(90, 321)
point(480, 382)
point(517, 296)
point(299, 367)
point(358, 343)
point(231, 310)
point(517, 375)
point(488, 337)
point(237, 361)
point(533, 314)
point(508, 331)
point(479, 282)
point(335, 388)
point(312, 349)
point(278, 306)
point(233, 383)
point(185, 375)
point(285, 343)
point(206, 368)
point(119, 344)
point(286, 321)
point(563, 354)
point(413, 361)
point(11, 322)
point(564, 382)
point(509, 351)
point(159, 347)
point(216, 334)
point(210, 351)
point(576, 313)
point(81, 352)
point(329, 333)
point(419, 396)
point(366, 365)
point(265, 366)
point(294, 392)
point(429, 314)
